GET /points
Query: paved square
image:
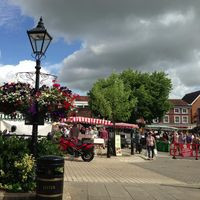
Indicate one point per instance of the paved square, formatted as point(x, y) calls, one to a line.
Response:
point(132, 177)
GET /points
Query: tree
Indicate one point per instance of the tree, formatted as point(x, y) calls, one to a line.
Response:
point(152, 92)
point(110, 99)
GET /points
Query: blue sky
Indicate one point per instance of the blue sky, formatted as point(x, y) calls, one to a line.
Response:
point(92, 39)
point(15, 45)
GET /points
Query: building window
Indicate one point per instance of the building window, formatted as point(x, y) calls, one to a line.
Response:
point(166, 119)
point(176, 110)
point(184, 119)
point(176, 119)
point(184, 111)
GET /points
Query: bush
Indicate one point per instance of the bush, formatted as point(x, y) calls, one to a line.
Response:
point(47, 147)
point(17, 166)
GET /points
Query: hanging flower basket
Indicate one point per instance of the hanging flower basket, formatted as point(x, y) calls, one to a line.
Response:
point(54, 102)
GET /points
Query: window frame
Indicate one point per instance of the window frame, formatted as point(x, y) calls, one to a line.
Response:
point(175, 119)
point(164, 121)
point(186, 118)
point(178, 110)
point(186, 109)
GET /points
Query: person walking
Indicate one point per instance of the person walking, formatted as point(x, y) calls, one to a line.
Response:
point(150, 145)
point(104, 135)
point(138, 142)
point(74, 132)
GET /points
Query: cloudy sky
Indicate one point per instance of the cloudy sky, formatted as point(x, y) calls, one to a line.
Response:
point(92, 39)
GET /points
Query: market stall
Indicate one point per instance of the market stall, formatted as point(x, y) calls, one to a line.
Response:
point(123, 136)
point(98, 142)
point(125, 125)
point(161, 127)
point(162, 145)
point(87, 120)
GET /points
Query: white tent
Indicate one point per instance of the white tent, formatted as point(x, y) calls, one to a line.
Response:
point(23, 129)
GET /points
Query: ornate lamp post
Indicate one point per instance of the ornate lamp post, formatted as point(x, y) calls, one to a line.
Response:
point(40, 40)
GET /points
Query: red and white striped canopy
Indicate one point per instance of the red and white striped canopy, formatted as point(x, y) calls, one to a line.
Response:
point(95, 121)
point(87, 120)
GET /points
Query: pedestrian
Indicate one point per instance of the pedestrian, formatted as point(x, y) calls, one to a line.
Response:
point(13, 130)
point(50, 136)
point(95, 132)
point(82, 130)
point(150, 141)
point(138, 144)
point(104, 135)
point(74, 133)
point(195, 143)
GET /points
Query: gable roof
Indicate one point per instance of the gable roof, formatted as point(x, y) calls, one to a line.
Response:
point(178, 102)
point(190, 97)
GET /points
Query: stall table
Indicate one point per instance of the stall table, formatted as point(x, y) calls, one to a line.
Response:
point(99, 144)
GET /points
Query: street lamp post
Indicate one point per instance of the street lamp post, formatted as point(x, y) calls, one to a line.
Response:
point(40, 40)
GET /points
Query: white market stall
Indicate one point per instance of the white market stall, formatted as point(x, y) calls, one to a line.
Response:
point(23, 129)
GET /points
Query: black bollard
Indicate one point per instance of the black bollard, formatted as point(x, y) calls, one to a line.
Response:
point(49, 178)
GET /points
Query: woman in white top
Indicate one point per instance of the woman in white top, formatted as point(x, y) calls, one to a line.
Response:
point(150, 145)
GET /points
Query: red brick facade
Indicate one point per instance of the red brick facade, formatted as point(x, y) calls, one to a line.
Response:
point(179, 115)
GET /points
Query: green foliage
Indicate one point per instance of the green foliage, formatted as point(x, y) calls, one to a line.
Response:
point(47, 147)
point(110, 99)
point(131, 95)
point(14, 150)
point(17, 166)
point(152, 93)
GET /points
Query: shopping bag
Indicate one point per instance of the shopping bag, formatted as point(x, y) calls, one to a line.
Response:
point(155, 152)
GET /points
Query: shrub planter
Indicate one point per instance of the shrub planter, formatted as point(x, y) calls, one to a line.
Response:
point(17, 196)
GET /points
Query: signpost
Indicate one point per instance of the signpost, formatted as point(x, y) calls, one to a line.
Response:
point(118, 149)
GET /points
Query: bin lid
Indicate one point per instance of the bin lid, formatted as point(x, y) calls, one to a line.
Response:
point(51, 159)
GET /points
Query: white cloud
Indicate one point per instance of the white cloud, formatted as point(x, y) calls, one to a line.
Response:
point(116, 35)
point(9, 72)
point(175, 18)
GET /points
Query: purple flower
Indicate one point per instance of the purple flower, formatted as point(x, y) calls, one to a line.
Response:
point(32, 109)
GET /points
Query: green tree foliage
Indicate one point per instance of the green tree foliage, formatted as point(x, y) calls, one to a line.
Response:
point(109, 98)
point(152, 93)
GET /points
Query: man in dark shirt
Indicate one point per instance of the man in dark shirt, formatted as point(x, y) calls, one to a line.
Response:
point(74, 132)
point(104, 135)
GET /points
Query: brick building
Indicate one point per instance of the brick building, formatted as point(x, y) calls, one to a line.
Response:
point(193, 99)
point(178, 116)
point(183, 114)
point(82, 107)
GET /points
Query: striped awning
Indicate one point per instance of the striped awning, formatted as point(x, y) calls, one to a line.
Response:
point(87, 120)
point(95, 121)
point(125, 125)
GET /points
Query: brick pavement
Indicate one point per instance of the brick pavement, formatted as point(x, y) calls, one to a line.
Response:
point(129, 177)
point(183, 169)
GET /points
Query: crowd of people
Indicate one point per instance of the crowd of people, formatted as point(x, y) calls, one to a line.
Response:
point(78, 131)
point(149, 138)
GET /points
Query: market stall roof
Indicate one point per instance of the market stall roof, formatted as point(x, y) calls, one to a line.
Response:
point(87, 120)
point(125, 125)
point(161, 127)
point(96, 121)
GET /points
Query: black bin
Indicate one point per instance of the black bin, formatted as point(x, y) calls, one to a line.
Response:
point(49, 178)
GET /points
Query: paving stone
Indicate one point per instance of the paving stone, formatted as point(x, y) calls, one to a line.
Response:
point(132, 178)
point(117, 191)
